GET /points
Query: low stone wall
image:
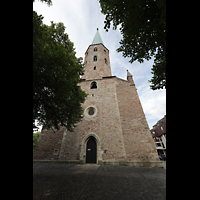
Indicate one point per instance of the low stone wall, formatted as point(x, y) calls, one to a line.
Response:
point(133, 163)
point(108, 162)
point(58, 161)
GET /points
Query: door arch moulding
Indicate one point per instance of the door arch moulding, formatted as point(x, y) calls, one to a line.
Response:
point(83, 147)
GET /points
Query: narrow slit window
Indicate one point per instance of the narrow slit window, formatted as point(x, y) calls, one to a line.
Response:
point(105, 60)
point(95, 58)
point(94, 67)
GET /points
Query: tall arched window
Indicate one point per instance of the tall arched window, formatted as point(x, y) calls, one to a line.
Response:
point(95, 49)
point(95, 58)
point(93, 85)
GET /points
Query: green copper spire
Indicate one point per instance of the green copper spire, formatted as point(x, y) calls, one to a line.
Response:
point(97, 38)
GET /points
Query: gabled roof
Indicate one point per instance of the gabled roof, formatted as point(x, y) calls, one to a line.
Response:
point(97, 38)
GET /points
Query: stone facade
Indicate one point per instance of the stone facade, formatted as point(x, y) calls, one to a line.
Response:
point(113, 116)
point(102, 63)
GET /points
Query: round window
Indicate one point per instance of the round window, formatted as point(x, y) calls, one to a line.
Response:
point(91, 111)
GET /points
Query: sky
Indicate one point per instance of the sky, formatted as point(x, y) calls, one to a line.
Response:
point(81, 19)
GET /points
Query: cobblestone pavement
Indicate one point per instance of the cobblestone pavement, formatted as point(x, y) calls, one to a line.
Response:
point(94, 182)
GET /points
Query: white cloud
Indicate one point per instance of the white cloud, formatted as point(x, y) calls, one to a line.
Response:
point(81, 19)
point(153, 103)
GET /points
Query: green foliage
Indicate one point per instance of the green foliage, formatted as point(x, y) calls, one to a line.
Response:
point(48, 2)
point(56, 72)
point(143, 26)
point(35, 138)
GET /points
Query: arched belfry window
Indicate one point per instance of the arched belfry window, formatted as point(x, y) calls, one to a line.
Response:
point(93, 85)
point(95, 49)
point(95, 58)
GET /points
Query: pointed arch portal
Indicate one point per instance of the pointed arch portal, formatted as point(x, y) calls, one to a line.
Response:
point(91, 141)
point(91, 151)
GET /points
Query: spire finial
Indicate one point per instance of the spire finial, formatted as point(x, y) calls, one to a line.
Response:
point(128, 73)
point(97, 38)
point(129, 77)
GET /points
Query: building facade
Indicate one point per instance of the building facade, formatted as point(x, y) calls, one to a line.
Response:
point(159, 135)
point(113, 130)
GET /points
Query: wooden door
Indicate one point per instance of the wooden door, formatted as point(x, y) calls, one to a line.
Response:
point(91, 151)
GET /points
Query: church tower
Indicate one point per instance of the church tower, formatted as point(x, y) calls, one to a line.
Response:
point(113, 129)
point(97, 61)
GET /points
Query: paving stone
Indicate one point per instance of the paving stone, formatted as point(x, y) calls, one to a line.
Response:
point(93, 182)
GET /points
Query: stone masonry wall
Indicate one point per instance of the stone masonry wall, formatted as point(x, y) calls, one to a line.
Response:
point(102, 69)
point(139, 145)
point(119, 122)
point(48, 141)
point(105, 122)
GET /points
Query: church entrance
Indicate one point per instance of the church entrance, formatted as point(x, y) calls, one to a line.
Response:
point(91, 151)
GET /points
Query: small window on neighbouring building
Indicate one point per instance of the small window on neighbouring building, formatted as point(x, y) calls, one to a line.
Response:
point(95, 58)
point(93, 85)
point(95, 49)
point(94, 67)
point(161, 128)
point(104, 50)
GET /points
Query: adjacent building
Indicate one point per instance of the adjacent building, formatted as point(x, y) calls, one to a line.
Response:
point(159, 135)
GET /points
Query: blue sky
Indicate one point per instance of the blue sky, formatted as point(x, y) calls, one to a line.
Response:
point(81, 19)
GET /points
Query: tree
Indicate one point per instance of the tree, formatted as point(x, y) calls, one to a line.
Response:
point(56, 72)
point(48, 2)
point(35, 138)
point(143, 27)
